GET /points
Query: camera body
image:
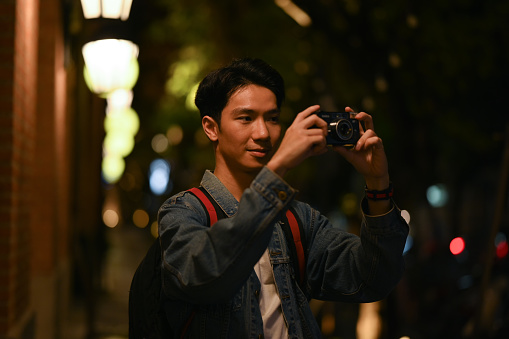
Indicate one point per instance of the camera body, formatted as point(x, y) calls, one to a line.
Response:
point(342, 128)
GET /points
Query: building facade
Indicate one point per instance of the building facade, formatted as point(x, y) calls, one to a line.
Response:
point(49, 182)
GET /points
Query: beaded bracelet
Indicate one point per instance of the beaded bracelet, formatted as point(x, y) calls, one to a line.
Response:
point(386, 194)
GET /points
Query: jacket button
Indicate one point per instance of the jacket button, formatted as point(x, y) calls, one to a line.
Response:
point(282, 195)
point(257, 293)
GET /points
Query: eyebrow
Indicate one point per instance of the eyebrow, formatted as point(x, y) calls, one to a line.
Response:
point(246, 110)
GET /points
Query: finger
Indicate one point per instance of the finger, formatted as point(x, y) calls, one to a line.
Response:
point(375, 143)
point(312, 122)
point(366, 119)
point(364, 137)
point(317, 122)
point(320, 147)
point(307, 112)
point(369, 134)
point(316, 134)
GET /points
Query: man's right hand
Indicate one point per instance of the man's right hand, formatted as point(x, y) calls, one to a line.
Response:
point(303, 139)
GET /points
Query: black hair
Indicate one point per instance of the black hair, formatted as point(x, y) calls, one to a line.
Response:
point(219, 85)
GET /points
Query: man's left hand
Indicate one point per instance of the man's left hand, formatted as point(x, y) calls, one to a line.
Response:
point(368, 156)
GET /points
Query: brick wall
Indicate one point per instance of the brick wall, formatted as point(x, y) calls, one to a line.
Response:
point(18, 66)
point(35, 170)
point(50, 184)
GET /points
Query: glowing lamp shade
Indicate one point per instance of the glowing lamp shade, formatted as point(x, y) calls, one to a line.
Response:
point(112, 168)
point(118, 143)
point(123, 120)
point(110, 9)
point(110, 64)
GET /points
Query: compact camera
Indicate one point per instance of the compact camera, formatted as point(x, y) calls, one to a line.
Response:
point(342, 128)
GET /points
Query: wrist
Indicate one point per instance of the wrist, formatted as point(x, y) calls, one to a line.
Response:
point(377, 195)
point(379, 200)
point(277, 168)
point(377, 184)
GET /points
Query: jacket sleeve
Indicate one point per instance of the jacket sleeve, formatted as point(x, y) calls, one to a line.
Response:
point(345, 267)
point(203, 264)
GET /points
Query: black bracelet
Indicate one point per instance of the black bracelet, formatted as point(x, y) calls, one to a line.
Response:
point(386, 194)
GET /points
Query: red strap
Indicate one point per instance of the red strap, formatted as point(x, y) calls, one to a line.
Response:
point(294, 226)
point(213, 219)
point(210, 208)
point(187, 324)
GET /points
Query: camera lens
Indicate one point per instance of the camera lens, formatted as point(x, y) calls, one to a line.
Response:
point(344, 129)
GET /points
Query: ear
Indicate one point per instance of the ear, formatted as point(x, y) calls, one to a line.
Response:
point(210, 127)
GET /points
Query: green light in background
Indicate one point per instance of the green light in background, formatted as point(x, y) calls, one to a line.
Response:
point(184, 73)
point(113, 167)
point(118, 143)
point(123, 120)
point(190, 105)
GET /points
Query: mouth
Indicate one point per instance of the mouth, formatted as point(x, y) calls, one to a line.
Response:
point(259, 152)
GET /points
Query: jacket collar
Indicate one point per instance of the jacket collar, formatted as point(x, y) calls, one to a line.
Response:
point(219, 193)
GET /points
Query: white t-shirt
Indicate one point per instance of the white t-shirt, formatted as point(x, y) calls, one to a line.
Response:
point(274, 325)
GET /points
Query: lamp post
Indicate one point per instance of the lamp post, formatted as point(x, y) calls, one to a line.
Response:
point(111, 71)
point(110, 9)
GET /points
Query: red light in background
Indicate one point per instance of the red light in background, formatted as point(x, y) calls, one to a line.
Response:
point(457, 245)
point(502, 249)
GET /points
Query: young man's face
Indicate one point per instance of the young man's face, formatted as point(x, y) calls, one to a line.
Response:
point(249, 129)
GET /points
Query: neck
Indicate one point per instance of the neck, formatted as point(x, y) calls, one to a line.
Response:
point(234, 180)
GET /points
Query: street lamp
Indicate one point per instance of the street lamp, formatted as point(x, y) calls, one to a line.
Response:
point(110, 9)
point(111, 71)
point(110, 64)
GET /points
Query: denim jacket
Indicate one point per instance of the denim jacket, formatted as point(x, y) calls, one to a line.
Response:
point(208, 276)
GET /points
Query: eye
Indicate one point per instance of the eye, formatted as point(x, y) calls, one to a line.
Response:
point(274, 118)
point(244, 118)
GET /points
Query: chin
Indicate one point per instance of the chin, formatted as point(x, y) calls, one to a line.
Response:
point(255, 168)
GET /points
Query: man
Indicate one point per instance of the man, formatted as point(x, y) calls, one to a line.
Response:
point(236, 278)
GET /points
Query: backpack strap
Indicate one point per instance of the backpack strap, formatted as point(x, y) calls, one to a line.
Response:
point(292, 227)
point(206, 202)
point(213, 210)
point(299, 248)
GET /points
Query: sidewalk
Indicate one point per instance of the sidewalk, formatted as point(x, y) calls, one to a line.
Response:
point(127, 246)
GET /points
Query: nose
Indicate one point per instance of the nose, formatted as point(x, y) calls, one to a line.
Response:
point(260, 130)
